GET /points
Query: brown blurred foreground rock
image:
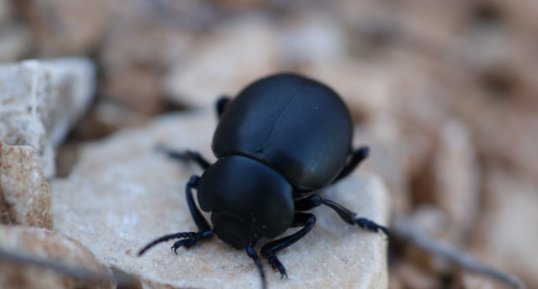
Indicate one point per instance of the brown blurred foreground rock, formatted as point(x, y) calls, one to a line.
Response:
point(122, 194)
point(24, 191)
point(40, 100)
point(46, 246)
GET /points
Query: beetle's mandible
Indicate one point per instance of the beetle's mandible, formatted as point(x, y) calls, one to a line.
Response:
point(279, 142)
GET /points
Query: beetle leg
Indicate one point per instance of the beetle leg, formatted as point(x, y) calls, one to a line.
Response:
point(254, 256)
point(188, 239)
point(348, 216)
point(220, 105)
point(269, 250)
point(186, 155)
point(356, 158)
point(201, 223)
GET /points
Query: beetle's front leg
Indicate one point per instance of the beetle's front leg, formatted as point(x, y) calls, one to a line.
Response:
point(199, 220)
point(269, 250)
point(348, 216)
point(187, 239)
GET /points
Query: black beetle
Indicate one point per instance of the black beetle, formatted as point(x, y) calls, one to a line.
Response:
point(282, 139)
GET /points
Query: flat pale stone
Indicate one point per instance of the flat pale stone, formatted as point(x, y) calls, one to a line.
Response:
point(53, 247)
point(24, 190)
point(40, 100)
point(122, 194)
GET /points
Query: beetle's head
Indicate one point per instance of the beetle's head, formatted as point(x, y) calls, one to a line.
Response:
point(234, 230)
point(248, 200)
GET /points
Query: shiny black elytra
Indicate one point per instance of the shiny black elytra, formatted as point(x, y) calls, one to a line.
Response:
point(284, 138)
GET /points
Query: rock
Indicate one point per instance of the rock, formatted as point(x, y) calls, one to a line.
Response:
point(40, 101)
point(411, 275)
point(134, 58)
point(512, 139)
point(24, 190)
point(53, 248)
point(15, 38)
point(224, 62)
point(474, 281)
point(368, 90)
point(67, 27)
point(136, 88)
point(132, 194)
point(16, 42)
point(311, 37)
point(456, 180)
point(5, 11)
point(386, 160)
point(510, 205)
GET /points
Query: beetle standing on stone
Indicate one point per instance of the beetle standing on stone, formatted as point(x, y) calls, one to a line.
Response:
point(278, 143)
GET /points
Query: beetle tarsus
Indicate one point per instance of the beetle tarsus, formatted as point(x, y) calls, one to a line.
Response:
point(347, 215)
point(276, 265)
point(191, 240)
point(187, 243)
point(182, 235)
point(371, 226)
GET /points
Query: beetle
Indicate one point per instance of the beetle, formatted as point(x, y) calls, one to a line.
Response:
point(284, 138)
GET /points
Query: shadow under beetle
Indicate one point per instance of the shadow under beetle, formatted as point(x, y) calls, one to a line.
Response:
point(284, 138)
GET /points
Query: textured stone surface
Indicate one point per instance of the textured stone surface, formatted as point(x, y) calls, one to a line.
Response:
point(40, 100)
point(122, 194)
point(53, 247)
point(24, 190)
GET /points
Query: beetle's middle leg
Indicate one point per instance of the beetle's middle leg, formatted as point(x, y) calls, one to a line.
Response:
point(187, 239)
point(357, 157)
point(269, 250)
point(348, 216)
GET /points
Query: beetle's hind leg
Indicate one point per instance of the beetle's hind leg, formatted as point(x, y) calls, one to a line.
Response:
point(357, 157)
point(348, 216)
point(269, 250)
point(187, 239)
point(184, 156)
point(221, 104)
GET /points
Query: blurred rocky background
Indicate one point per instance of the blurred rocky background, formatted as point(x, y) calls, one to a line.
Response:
point(444, 92)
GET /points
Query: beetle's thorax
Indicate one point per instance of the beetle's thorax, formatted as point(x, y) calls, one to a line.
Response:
point(248, 200)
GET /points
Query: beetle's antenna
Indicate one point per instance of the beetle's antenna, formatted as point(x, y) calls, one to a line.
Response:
point(252, 254)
